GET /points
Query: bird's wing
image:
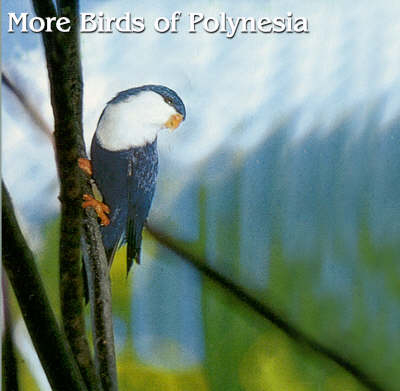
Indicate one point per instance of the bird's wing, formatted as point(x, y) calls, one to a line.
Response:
point(142, 173)
point(110, 174)
point(126, 180)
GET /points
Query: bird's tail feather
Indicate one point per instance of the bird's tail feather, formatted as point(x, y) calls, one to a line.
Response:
point(134, 240)
point(110, 254)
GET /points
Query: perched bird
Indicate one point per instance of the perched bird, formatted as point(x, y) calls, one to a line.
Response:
point(124, 163)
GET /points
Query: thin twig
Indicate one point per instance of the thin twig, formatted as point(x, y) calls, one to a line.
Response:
point(65, 75)
point(262, 309)
point(28, 106)
point(50, 343)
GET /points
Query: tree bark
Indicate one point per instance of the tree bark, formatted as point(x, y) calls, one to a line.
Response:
point(64, 69)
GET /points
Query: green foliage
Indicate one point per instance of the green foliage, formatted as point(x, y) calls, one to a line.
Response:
point(27, 381)
point(134, 375)
point(48, 263)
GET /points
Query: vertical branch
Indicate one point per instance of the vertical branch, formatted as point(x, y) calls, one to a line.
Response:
point(100, 301)
point(49, 342)
point(63, 62)
point(64, 68)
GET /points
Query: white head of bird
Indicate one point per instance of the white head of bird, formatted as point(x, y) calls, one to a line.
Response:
point(135, 120)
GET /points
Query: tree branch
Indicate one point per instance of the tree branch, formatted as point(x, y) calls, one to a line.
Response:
point(66, 90)
point(64, 68)
point(262, 309)
point(27, 105)
point(99, 287)
point(50, 344)
point(92, 243)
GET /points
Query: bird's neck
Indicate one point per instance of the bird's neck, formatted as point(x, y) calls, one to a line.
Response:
point(134, 122)
point(123, 137)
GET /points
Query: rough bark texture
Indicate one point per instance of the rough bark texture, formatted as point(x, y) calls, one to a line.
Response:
point(64, 69)
point(99, 288)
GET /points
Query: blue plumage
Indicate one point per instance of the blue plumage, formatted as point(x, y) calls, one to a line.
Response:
point(127, 181)
point(165, 92)
point(126, 178)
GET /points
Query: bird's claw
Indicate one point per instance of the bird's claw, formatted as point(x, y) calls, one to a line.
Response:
point(100, 208)
point(85, 165)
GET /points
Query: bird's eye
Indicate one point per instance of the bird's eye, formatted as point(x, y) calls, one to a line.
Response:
point(168, 101)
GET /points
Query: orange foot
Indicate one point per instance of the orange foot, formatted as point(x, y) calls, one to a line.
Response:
point(85, 165)
point(100, 208)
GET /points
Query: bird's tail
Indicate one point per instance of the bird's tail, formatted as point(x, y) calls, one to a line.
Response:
point(134, 240)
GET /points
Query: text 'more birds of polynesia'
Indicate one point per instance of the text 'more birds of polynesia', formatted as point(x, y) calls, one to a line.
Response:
point(124, 163)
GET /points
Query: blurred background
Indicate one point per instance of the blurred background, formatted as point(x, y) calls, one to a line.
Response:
point(285, 178)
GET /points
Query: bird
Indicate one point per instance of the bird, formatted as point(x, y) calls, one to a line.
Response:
point(124, 163)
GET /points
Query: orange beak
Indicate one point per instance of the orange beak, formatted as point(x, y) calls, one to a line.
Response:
point(174, 121)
